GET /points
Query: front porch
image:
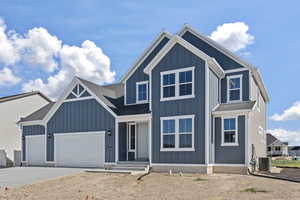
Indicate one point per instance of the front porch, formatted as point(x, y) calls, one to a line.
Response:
point(133, 139)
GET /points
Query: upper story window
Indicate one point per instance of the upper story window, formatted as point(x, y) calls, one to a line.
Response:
point(230, 132)
point(177, 84)
point(142, 92)
point(234, 88)
point(177, 133)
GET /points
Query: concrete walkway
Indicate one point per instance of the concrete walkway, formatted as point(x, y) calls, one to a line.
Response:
point(18, 176)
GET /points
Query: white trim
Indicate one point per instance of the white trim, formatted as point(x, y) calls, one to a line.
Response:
point(246, 139)
point(78, 99)
point(177, 84)
point(46, 139)
point(231, 112)
point(236, 130)
point(125, 95)
point(207, 115)
point(129, 140)
point(137, 101)
point(240, 76)
point(231, 55)
point(176, 133)
point(213, 64)
point(30, 123)
point(178, 165)
point(80, 133)
point(116, 140)
point(136, 118)
point(145, 54)
point(150, 91)
point(228, 165)
point(150, 140)
point(236, 70)
point(214, 139)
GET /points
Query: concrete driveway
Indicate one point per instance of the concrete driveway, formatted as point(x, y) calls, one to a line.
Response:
point(18, 176)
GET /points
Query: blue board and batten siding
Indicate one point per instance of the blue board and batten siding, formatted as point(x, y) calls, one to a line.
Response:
point(28, 131)
point(179, 57)
point(82, 116)
point(226, 62)
point(139, 74)
point(230, 154)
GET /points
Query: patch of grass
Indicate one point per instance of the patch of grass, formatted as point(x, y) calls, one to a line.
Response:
point(200, 179)
point(254, 190)
point(286, 163)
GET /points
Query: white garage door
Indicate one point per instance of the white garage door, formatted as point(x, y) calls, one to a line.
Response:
point(80, 149)
point(35, 149)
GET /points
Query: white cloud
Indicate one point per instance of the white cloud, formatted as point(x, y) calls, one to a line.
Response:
point(7, 77)
point(292, 113)
point(87, 61)
point(38, 48)
point(292, 137)
point(233, 36)
point(8, 54)
point(62, 62)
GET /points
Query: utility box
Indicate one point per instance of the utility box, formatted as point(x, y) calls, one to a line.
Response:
point(2, 158)
point(264, 164)
point(17, 158)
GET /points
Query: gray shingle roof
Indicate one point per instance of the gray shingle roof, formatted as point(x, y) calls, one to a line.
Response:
point(235, 106)
point(270, 139)
point(39, 114)
point(18, 96)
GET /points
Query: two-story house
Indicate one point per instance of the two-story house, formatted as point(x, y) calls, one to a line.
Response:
point(186, 104)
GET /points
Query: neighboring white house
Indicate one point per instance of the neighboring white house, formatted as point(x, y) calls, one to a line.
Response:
point(275, 147)
point(12, 108)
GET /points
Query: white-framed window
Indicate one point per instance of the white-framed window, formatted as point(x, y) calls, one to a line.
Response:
point(131, 137)
point(229, 131)
point(177, 133)
point(142, 92)
point(177, 84)
point(234, 88)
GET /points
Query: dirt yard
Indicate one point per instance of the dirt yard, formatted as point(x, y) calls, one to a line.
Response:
point(88, 186)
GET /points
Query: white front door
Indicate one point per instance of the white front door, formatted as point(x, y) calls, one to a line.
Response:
point(143, 141)
point(35, 149)
point(80, 149)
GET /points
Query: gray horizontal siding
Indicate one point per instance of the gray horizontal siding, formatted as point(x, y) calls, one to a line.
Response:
point(28, 131)
point(245, 85)
point(139, 74)
point(225, 62)
point(82, 116)
point(179, 57)
point(230, 154)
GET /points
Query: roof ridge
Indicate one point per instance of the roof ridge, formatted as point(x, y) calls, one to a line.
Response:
point(22, 95)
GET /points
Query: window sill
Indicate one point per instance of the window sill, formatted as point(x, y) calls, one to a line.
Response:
point(177, 149)
point(229, 144)
point(235, 101)
point(142, 102)
point(177, 98)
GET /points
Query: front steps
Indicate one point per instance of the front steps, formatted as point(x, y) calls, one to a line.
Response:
point(130, 166)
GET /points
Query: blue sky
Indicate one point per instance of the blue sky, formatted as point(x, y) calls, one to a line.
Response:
point(123, 29)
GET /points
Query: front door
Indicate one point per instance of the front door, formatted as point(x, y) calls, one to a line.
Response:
point(142, 142)
point(131, 141)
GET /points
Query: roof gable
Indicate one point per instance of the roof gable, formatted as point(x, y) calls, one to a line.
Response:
point(212, 63)
point(223, 50)
point(149, 53)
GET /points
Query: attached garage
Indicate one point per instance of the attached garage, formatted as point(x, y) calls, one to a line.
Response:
point(35, 149)
point(83, 149)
